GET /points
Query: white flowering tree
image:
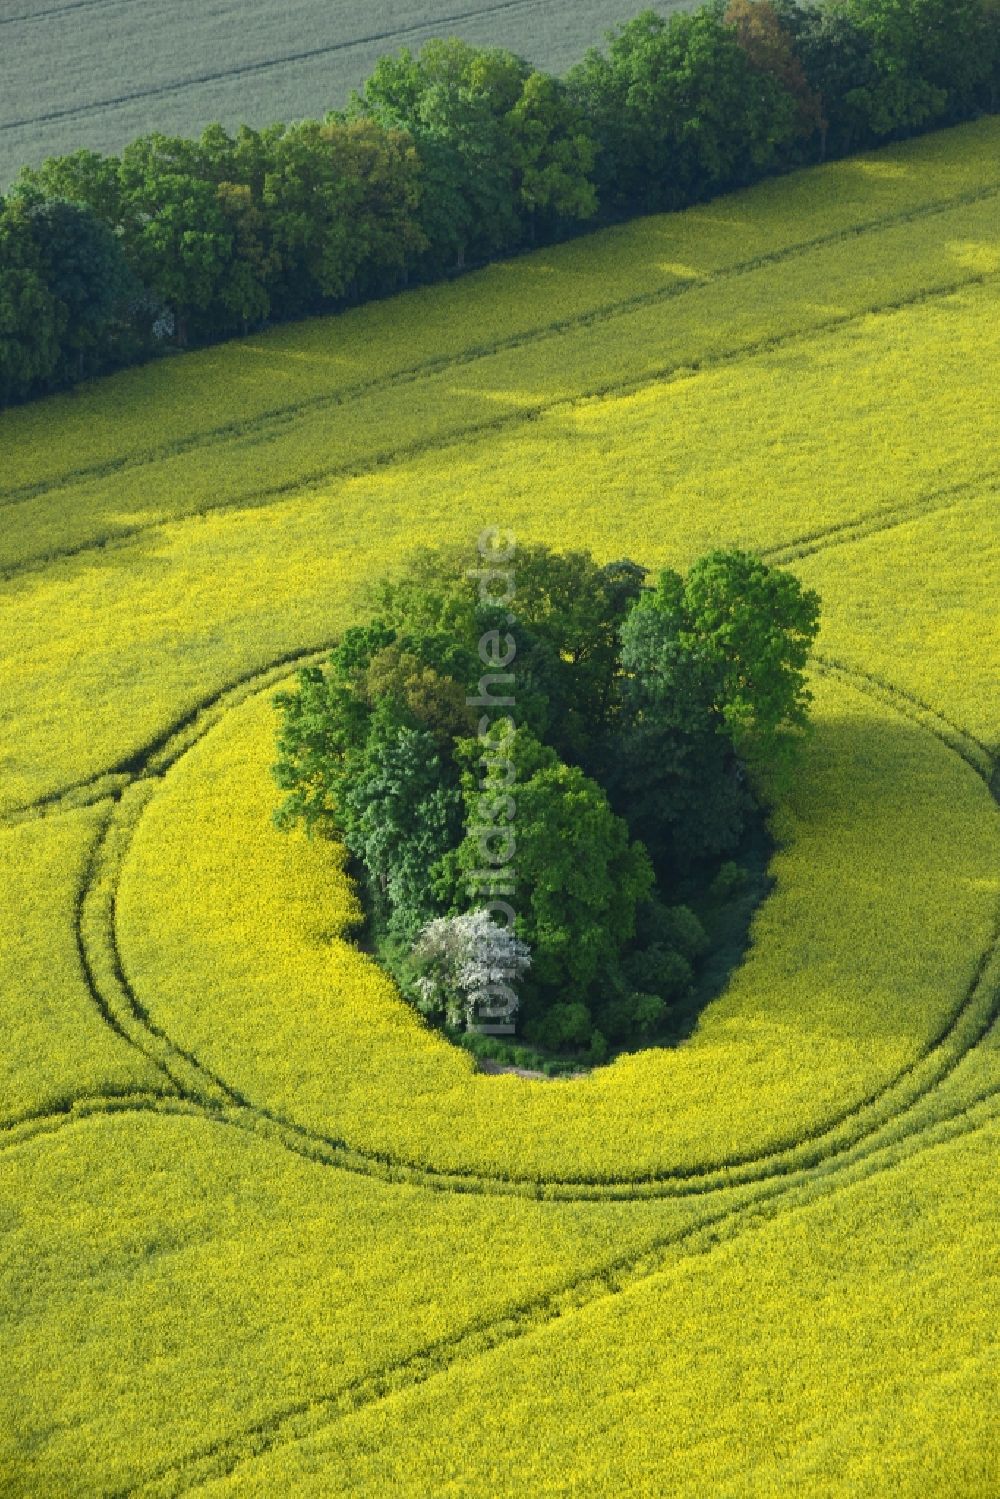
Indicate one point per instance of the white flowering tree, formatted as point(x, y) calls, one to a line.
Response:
point(467, 969)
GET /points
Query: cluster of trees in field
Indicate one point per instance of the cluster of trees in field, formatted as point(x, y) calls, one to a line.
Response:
point(531, 797)
point(453, 157)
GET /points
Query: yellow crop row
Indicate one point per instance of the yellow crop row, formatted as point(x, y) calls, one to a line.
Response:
point(172, 1281)
point(845, 1350)
point(917, 606)
point(172, 401)
point(56, 1047)
point(187, 1303)
point(829, 287)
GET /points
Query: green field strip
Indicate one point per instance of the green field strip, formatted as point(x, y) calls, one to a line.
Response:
point(264, 423)
point(295, 1424)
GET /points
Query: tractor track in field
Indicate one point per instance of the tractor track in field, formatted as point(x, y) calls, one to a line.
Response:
point(110, 781)
point(121, 1008)
point(143, 762)
point(281, 415)
point(309, 1416)
point(968, 1022)
point(792, 1184)
point(25, 18)
point(305, 1417)
point(379, 460)
point(883, 518)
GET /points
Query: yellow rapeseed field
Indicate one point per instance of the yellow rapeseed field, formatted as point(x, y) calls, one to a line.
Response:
point(263, 1231)
point(772, 1411)
point(215, 905)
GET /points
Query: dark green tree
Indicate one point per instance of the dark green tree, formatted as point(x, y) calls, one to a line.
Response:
point(934, 59)
point(553, 154)
point(840, 68)
point(341, 208)
point(447, 808)
point(176, 234)
point(452, 99)
point(400, 811)
point(85, 270)
point(29, 311)
point(568, 614)
point(714, 667)
point(579, 877)
point(734, 634)
point(80, 177)
point(679, 111)
point(770, 49)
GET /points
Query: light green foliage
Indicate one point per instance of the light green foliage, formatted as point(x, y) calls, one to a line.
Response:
point(754, 627)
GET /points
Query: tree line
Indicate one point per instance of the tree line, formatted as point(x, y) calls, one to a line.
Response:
point(451, 158)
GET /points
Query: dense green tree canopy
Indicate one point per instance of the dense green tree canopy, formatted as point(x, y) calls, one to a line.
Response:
point(680, 111)
point(575, 801)
point(456, 154)
point(735, 634)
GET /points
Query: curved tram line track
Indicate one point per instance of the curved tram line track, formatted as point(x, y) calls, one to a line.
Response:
point(881, 1138)
point(188, 1078)
point(304, 1418)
